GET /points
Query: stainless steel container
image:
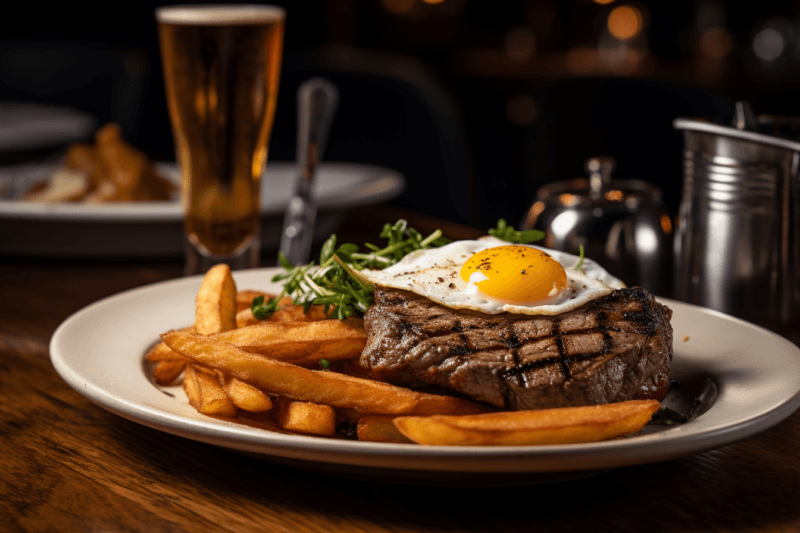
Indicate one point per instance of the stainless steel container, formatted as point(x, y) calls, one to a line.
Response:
point(736, 243)
point(622, 224)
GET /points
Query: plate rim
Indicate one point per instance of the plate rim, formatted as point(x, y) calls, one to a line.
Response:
point(386, 456)
point(81, 125)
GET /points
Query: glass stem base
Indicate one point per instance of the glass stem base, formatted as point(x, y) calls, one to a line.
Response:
point(199, 263)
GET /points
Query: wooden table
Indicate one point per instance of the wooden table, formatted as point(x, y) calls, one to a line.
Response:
point(68, 465)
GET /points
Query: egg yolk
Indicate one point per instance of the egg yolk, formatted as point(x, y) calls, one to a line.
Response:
point(518, 275)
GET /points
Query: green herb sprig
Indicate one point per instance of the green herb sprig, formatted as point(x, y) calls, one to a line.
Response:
point(337, 282)
point(582, 253)
point(261, 310)
point(665, 416)
point(507, 233)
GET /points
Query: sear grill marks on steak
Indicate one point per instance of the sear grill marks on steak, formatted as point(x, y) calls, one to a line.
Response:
point(615, 348)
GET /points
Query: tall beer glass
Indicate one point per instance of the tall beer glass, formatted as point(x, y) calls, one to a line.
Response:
point(221, 70)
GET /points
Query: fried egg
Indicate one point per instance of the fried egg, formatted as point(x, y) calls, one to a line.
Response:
point(492, 276)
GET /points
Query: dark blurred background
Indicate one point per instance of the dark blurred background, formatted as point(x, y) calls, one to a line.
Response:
point(477, 103)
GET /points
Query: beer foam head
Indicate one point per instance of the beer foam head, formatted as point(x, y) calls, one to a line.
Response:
point(219, 14)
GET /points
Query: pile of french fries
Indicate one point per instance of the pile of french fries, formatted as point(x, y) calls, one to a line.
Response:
point(298, 372)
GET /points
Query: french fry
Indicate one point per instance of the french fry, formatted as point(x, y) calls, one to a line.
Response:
point(306, 417)
point(124, 163)
point(244, 395)
point(379, 428)
point(301, 343)
point(161, 352)
point(349, 367)
point(321, 387)
point(566, 425)
point(64, 186)
point(205, 394)
point(166, 372)
point(288, 312)
point(215, 307)
point(264, 420)
point(83, 157)
point(291, 312)
point(245, 318)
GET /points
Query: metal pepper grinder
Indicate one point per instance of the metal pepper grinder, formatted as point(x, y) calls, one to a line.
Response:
point(622, 224)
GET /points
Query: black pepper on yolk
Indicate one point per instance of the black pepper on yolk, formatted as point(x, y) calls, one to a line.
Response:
point(515, 274)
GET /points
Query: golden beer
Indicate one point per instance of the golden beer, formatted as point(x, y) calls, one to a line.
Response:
point(221, 70)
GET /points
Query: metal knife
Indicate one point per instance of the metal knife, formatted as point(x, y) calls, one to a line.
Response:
point(317, 99)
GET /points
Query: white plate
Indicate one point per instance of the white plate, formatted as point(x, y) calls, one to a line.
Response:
point(745, 377)
point(150, 229)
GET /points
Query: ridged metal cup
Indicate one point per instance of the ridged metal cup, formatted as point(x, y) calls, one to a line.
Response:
point(736, 241)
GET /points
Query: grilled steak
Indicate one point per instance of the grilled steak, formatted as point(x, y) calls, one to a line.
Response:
point(615, 348)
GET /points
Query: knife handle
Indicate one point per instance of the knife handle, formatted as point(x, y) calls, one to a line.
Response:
point(317, 100)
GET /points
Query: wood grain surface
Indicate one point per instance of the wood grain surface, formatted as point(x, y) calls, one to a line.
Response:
point(68, 465)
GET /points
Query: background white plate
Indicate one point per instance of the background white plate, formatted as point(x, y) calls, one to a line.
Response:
point(750, 378)
point(152, 229)
point(27, 127)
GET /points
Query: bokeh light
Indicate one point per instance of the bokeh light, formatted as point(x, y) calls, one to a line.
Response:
point(666, 224)
point(623, 59)
point(520, 44)
point(399, 7)
point(769, 44)
point(522, 110)
point(582, 60)
point(716, 43)
point(625, 22)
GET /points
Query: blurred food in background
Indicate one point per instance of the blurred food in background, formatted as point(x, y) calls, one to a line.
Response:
point(110, 170)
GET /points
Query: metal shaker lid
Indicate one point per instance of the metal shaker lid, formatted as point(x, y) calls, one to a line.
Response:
point(599, 189)
point(622, 224)
point(745, 126)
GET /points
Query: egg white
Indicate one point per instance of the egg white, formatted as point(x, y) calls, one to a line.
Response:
point(435, 275)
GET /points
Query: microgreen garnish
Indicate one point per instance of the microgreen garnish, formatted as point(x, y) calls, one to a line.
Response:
point(507, 233)
point(337, 283)
point(261, 310)
point(668, 417)
point(580, 263)
point(324, 363)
